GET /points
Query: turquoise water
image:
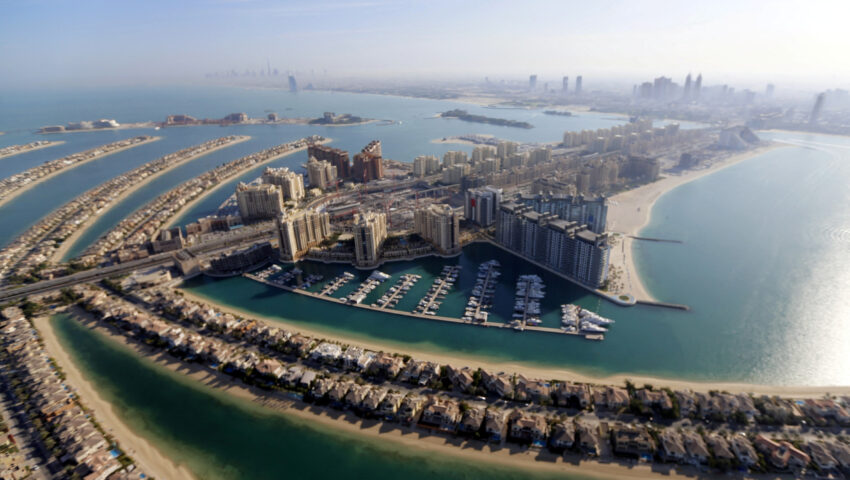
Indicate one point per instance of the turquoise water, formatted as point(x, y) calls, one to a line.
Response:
point(220, 437)
point(410, 135)
point(764, 266)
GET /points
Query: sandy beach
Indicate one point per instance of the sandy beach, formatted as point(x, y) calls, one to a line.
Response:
point(390, 435)
point(66, 245)
point(49, 144)
point(630, 211)
point(532, 371)
point(188, 206)
point(47, 177)
point(146, 455)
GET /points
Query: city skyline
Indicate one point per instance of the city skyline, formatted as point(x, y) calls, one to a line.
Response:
point(157, 42)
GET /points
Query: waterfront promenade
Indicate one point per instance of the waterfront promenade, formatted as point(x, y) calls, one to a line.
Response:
point(19, 183)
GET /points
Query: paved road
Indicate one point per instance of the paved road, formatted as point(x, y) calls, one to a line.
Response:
point(93, 275)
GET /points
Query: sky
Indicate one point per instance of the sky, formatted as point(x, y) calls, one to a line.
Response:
point(96, 42)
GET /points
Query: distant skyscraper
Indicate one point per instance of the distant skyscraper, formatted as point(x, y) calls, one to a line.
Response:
point(565, 85)
point(817, 108)
point(291, 184)
point(687, 94)
point(578, 85)
point(293, 86)
point(768, 91)
point(698, 87)
point(532, 82)
point(370, 231)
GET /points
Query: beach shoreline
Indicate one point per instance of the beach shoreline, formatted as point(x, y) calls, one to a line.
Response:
point(40, 180)
point(68, 243)
point(414, 440)
point(150, 459)
point(528, 370)
point(630, 212)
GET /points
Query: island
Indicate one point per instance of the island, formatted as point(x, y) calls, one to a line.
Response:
point(468, 117)
point(562, 113)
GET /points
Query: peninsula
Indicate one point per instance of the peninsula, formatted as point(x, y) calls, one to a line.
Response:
point(13, 150)
point(21, 182)
point(468, 117)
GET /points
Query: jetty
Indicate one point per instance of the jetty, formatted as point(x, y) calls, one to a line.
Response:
point(432, 317)
point(482, 294)
point(429, 304)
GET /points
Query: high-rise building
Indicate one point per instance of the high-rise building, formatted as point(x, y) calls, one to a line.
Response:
point(370, 231)
point(440, 225)
point(698, 87)
point(291, 184)
point(592, 212)
point(336, 157)
point(258, 202)
point(425, 165)
point(368, 163)
point(540, 155)
point(321, 173)
point(293, 86)
point(687, 93)
point(481, 204)
point(532, 82)
point(300, 230)
point(768, 91)
point(455, 173)
point(505, 149)
point(481, 152)
point(578, 85)
point(454, 158)
point(565, 85)
point(817, 108)
point(564, 246)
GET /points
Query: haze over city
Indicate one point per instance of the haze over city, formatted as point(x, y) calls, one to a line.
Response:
point(798, 44)
point(499, 240)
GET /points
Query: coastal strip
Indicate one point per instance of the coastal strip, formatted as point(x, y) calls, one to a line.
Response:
point(629, 212)
point(530, 371)
point(393, 436)
point(13, 150)
point(149, 458)
point(182, 157)
point(38, 243)
point(439, 400)
point(19, 183)
point(133, 232)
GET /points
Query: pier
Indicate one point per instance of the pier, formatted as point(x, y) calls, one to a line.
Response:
point(436, 318)
point(675, 306)
point(651, 239)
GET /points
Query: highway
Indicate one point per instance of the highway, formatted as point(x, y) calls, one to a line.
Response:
point(99, 273)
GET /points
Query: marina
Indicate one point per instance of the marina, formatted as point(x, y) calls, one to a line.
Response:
point(529, 292)
point(336, 283)
point(397, 291)
point(482, 294)
point(267, 277)
point(438, 291)
point(365, 288)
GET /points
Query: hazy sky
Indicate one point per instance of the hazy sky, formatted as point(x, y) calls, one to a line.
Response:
point(155, 41)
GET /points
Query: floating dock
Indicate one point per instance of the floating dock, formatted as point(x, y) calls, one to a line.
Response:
point(437, 318)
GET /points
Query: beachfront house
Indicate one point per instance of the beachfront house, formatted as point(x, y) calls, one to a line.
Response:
point(697, 451)
point(441, 413)
point(671, 448)
point(527, 427)
point(390, 405)
point(471, 421)
point(410, 408)
point(494, 423)
point(743, 450)
point(571, 395)
point(632, 441)
point(499, 383)
point(562, 436)
point(588, 438)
